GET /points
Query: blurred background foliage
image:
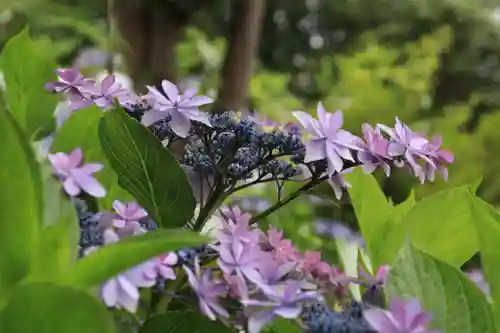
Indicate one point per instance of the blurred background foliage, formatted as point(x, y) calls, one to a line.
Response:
point(435, 64)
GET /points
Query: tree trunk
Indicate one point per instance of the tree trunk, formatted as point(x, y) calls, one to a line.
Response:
point(246, 19)
point(151, 33)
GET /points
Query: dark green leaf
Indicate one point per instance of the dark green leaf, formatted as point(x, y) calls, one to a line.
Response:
point(26, 71)
point(49, 308)
point(81, 131)
point(457, 304)
point(147, 170)
point(112, 259)
point(281, 325)
point(443, 225)
point(183, 322)
point(487, 222)
point(21, 203)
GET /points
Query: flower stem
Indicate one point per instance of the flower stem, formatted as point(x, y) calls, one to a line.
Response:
point(312, 183)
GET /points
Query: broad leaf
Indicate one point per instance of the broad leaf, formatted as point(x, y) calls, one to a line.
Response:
point(457, 304)
point(49, 308)
point(391, 236)
point(147, 170)
point(81, 131)
point(370, 205)
point(59, 233)
point(21, 203)
point(112, 259)
point(443, 225)
point(487, 222)
point(26, 71)
point(281, 325)
point(183, 322)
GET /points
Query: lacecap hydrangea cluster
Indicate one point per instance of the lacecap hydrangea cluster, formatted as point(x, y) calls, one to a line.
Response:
point(259, 274)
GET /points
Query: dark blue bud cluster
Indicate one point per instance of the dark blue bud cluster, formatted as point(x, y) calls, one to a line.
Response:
point(90, 232)
point(136, 111)
point(186, 256)
point(319, 318)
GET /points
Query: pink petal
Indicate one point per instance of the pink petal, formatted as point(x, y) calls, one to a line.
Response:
point(91, 168)
point(201, 117)
point(120, 224)
point(109, 292)
point(171, 259)
point(68, 74)
point(257, 322)
point(379, 321)
point(167, 272)
point(110, 236)
point(170, 90)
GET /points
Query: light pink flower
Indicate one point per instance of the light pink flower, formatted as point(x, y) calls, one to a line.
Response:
point(77, 178)
point(77, 86)
point(128, 215)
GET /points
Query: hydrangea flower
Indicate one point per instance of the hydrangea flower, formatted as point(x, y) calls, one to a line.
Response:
point(77, 178)
point(284, 301)
point(271, 271)
point(375, 151)
point(207, 291)
point(181, 107)
point(162, 267)
point(439, 156)
point(402, 317)
point(72, 82)
point(105, 93)
point(328, 140)
point(128, 215)
point(311, 263)
point(338, 183)
point(236, 225)
point(283, 249)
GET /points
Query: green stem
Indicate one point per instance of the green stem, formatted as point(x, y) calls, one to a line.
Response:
point(288, 199)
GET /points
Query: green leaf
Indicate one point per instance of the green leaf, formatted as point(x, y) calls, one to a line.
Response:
point(81, 131)
point(392, 234)
point(147, 170)
point(443, 225)
point(112, 259)
point(370, 205)
point(21, 203)
point(49, 308)
point(282, 325)
point(59, 234)
point(457, 304)
point(487, 222)
point(348, 252)
point(26, 71)
point(183, 322)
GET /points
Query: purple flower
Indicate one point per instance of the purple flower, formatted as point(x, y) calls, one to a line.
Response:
point(477, 277)
point(122, 290)
point(328, 140)
point(236, 225)
point(338, 182)
point(408, 146)
point(402, 317)
point(77, 178)
point(104, 95)
point(207, 291)
point(181, 107)
point(265, 123)
point(71, 81)
point(162, 267)
point(271, 271)
point(284, 301)
point(375, 151)
point(439, 156)
point(128, 215)
point(240, 258)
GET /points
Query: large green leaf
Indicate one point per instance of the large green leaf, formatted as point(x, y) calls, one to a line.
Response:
point(147, 170)
point(59, 234)
point(112, 259)
point(392, 234)
point(26, 71)
point(21, 203)
point(370, 205)
point(49, 308)
point(183, 322)
point(282, 325)
point(81, 131)
point(443, 225)
point(487, 222)
point(457, 304)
